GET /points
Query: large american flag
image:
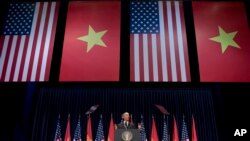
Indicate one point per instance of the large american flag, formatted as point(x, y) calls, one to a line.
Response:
point(158, 48)
point(100, 134)
point(165, 134)
point(58, 131)
point(78, 135)
point(184, 132)
point(27, 41)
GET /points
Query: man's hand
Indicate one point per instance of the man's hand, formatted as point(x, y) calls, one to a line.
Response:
point(115, 126)
point(139, 126)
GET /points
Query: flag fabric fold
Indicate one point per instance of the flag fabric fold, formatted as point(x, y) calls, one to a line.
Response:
point(78, 135)
point(67, 133)
point(100, 134)
point(222, 36)
point(58, 131)
point(89, 130)
point(27, 40)
point(142, 131)
point(154, 134)
point(158, 46)
point(175, 131)
point(184, 132)
point(165, 134)
point(91, 49)
point(194, 135)
point(111, 130)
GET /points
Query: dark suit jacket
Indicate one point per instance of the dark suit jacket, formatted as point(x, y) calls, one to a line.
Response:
point(123, 126)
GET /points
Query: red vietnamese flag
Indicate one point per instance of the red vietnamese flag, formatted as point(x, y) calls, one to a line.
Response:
point(89, 130)
point(175, 132)
point(194, 135)
point(91, 50)
point(111, 130)
point(154, 135)
point(67, 134)
point(222, 36)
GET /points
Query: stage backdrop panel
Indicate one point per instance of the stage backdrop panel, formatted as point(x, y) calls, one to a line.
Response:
point(222, 36)
point(91, 49)
point(192, 101)
point(27, 41)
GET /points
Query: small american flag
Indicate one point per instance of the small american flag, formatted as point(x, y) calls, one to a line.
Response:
point(142, 131)
point(165, 134)
point(158, 48)
point(100, 134)
point(58, 131)
point(27, 40)
point(184, 133)
point(77, 135)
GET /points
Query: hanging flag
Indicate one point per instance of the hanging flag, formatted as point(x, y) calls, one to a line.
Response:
point(91, 49)
point(222, 36)
point(154, 135)
point(67, 133)
point(184, 132)
point(111, 130)
point(142, 131)
point(175, 132)
point(165, 134)
point(77, 135)
point(194, 135)
point(100, 134)
point(89, 129)
point(158, 46)
point(58, 130)
point(27, 40)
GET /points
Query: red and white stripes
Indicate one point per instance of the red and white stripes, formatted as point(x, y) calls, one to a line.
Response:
point(28, 57)
point(161, 57)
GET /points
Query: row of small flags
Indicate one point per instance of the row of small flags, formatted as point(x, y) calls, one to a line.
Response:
point(100, 134)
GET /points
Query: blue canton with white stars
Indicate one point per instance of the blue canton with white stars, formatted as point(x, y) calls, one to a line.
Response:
point(19, 19)
point(184, 132)
point(144, 17)
point(100, 134)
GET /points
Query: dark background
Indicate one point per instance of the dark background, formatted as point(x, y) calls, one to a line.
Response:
point(17, 102)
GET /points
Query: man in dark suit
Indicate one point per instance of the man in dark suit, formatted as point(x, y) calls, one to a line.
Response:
point(125, 124)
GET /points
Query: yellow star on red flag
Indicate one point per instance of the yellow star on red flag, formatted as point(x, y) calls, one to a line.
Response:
point(225, 39)
point(93, 38)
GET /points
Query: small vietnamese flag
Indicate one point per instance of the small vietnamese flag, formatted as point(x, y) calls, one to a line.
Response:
point(194, 135)
point(89, 130)
point(154, 135)
point(68, 134)
point(175, 132)
point(111, 130)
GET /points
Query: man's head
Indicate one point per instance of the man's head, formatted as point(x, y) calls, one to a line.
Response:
point(125, 116)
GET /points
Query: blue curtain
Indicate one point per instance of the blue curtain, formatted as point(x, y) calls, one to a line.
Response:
point(178, 101)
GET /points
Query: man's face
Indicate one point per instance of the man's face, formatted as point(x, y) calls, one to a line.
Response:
point(125, 116)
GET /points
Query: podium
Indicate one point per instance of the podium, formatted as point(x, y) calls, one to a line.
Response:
point(127, 135)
